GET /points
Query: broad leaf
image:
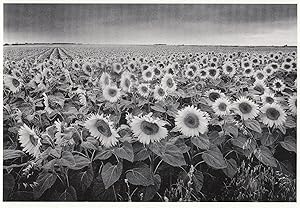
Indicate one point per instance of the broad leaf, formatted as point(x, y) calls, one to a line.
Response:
point(67, 159)
point(125, 152)
point(68, 195)
point(201, 142)
point(173, 156)
point(12, 154)
point(44, 181)
point(231, 168)
point(253, 125)
point(151, 190)
point(103, 154)
point(140, 175)
point(80, 162)
point(289, 143)
point(86, 178)
point(214, 158)
point(111, 173)
point(264, 155)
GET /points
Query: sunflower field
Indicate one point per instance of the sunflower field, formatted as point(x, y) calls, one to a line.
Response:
point(149, 123)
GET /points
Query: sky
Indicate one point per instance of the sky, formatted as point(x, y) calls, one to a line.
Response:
point(200, 24)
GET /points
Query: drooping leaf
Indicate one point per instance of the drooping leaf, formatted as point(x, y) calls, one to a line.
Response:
point(12, 154)
point(140, 175)
point(86, 178)
point(264, 155)
point(231, 168)
point(201, 142)
point(214, 158)
point(44, 181)
point(103, 154)
point(125, 151)
point(151, 190)
point(80, 162)
point(173, 155)
point(253, 125)
point(67, 159)
point(289, 143)
point(111, 173)
point(68, 195)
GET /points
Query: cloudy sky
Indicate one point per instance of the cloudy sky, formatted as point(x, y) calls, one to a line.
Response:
point(147, 24)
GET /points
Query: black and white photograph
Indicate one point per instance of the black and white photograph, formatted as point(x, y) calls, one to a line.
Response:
point(149, 102)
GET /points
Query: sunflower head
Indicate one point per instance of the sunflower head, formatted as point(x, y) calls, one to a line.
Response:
point(246, 108)
point(273, 115)
point(148, 129)
point(101, 128)
point(191, 121)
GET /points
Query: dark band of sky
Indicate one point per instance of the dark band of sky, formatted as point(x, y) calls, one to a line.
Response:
point(201, 24)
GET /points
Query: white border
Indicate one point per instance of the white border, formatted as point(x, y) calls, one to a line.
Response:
point(144, 204)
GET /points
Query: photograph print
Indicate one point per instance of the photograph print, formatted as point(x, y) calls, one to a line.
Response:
point(149, 102)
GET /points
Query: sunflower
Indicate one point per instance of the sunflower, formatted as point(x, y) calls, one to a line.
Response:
point(269, 97)
point(16, 73)
point(117, 68)
point(111, 93)
point(212, 95)
point(268, 70)
point(125, 83)
point(148, 129)
point(144, 90)
point(260, 87)
point(260, 75)
point(213, 73)
point(193, 66)
point(148, 74)
point(157, 72)
point(159, 93)
point(286, 66)
point(102, 128)
point(168, 83)
point(105, 79)
point(221, 106)
point(189, 73)
point(191, 121)
point(293, 104)
point(12, 83)
point(273, 115)
point(75, 65)
point(248, 72)
point(30, 142)
point(87, 68)
point(203, 74)
point(246, 108)
point(229, 69)
point(278, 85)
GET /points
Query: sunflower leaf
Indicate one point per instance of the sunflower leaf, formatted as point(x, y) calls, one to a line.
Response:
point(253, 125)
point(173, 156)
point(289, 143)
point(231, 168)
point(201, 142)
point(44, 181)
point(264, 155)
point(140, 175)
point(12, 154)
point(125, 152)
point(111, 173)
point(214, 158)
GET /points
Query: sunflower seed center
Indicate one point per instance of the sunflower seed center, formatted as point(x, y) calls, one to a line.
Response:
point(272, 114)
point(191, 120)
point(103, 128)
point(149, 128)
point(245, 108)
